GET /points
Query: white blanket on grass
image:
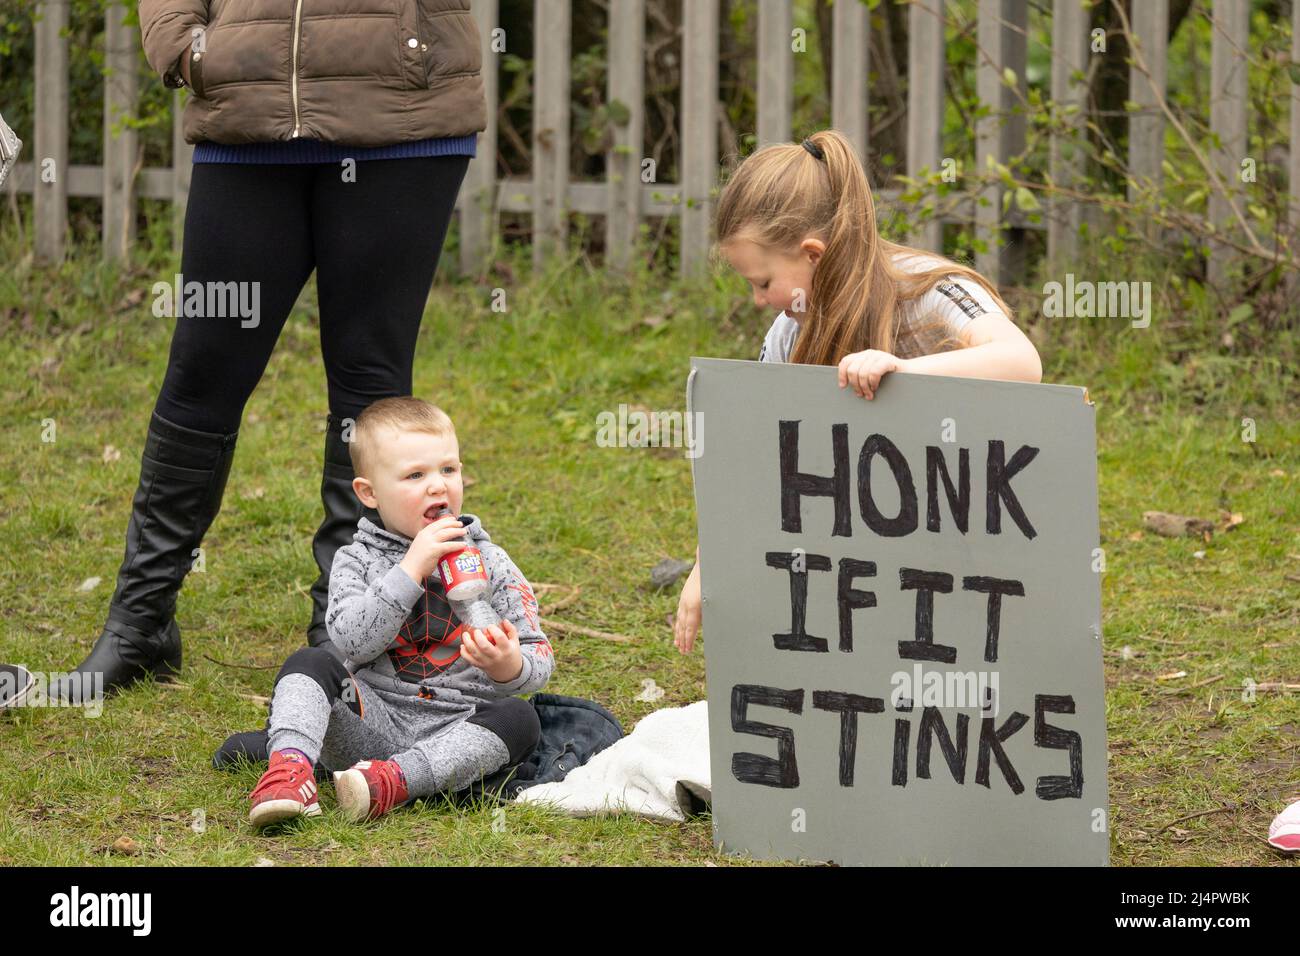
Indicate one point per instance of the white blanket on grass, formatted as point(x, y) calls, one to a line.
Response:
point(652, 771)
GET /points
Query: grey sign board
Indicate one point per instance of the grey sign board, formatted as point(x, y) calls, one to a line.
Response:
point(902, 617)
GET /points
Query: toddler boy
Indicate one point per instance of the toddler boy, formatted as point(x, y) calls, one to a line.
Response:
point(424, 703)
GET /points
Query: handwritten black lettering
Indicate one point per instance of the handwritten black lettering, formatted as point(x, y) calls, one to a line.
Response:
point(795, 484)
point(756, 768)
point(797, 639)
point(848, 706)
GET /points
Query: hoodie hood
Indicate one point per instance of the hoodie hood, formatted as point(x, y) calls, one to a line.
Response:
point(393, 542)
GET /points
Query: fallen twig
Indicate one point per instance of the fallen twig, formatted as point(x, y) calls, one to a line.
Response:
point(247, 667)
point(1161, 640)
point(47, 756)
point(177, 685)
point(1191, 687)
point(574, 591)
point(1229, 807)
point(1226, 808)
point(585, 631)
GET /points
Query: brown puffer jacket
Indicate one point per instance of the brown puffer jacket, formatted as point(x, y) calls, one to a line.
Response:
point(353, 72)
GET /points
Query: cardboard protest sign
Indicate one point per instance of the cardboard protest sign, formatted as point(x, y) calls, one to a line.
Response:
point(902, 617)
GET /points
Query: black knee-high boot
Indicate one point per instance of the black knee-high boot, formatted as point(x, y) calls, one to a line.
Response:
point(183, 476)
point(343, 509)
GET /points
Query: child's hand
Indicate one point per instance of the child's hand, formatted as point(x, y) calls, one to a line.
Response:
point(445, 536)
point(687, 620)
point(494, 650)
point(864, 370)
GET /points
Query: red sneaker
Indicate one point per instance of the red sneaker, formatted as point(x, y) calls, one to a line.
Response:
point(369, 789)
point(286, 790)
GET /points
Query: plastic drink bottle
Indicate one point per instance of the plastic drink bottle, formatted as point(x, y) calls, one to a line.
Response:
point(464, 576)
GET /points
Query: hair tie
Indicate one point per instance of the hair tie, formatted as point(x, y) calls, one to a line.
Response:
point(814, 149)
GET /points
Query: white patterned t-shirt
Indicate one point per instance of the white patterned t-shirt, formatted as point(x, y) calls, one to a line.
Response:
point(953, 300)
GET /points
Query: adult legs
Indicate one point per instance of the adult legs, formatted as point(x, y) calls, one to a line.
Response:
point(246, 224)
point(248, 247)
point(377, 242)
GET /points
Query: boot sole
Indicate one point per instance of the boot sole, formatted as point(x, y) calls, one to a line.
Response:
point(275, 811)
point(353, 794)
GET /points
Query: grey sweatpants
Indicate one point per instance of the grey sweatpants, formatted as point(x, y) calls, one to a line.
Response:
point(319, 709)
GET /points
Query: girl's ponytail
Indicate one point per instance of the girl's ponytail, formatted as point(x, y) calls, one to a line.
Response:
point(848, 279)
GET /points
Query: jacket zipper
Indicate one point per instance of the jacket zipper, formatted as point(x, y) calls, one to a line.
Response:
point(293, 79)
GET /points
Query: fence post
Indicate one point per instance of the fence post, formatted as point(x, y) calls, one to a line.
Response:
point(1065, 162)
point(121, 149)
point(50, 196)
point(1146, 126)
point(1293, 147)
point(623, 159)
point(699, 108)
point(477, 198)
point(1230, 36)
point(1015, 44)
point(1000, 46)
point(850, 24)
point(775, 71)
point(925, 71)
point(552, 30)
point(182, 166)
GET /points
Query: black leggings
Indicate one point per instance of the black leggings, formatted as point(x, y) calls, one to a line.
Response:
point(374, 244)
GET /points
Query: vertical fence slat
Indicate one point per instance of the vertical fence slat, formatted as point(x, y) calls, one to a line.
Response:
point(1227, 116)
point(775, 71)
point(553, 39)
point(991, 60)
point(1000, 134)
point(925, 68)
point(850, 23)
point(1293, 147)
point(121, 148)
point(50, 199)
point(182, 167)
point(1146, 126)
point(1065, 162)
point(623, 161)
point(699, 110)
point(476, 202)
point(1015, 46)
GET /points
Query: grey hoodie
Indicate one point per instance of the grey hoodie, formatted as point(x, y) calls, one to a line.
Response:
point(402, 639)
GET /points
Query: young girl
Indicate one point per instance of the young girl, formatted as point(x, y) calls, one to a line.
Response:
point(799, 223)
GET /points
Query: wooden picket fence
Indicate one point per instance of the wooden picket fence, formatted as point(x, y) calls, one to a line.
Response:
point(623, 199)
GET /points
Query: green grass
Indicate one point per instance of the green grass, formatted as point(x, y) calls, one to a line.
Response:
point(524, 388)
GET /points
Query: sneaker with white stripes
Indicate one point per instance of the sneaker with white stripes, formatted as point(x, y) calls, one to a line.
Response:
point(286, 790)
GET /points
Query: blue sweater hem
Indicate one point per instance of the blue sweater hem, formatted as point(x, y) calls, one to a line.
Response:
point(317, 151)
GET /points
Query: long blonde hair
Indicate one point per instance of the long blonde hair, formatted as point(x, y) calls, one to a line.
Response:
point(781, 195)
